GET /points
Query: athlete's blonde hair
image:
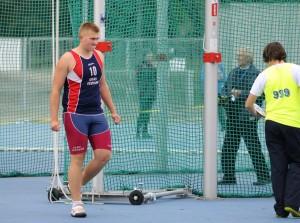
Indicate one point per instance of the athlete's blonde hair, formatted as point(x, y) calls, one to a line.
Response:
point(88, 26)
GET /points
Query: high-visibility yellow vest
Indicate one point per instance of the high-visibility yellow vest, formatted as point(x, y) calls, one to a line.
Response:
point(282, 95)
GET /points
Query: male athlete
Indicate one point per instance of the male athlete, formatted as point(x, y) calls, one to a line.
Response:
point(80, 71)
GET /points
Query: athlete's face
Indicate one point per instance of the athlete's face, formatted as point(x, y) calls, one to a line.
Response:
point(89, 39)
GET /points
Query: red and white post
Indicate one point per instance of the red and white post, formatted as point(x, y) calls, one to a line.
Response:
point(210, 58)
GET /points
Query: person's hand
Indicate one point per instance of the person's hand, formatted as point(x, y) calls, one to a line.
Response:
point(236, 93)
point(55, 126)
point(116, 118)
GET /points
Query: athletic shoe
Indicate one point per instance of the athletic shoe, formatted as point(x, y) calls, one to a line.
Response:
point(78, 212)
point(226, 182)
point(294, 212)
point(262, 182)
point(280, 216)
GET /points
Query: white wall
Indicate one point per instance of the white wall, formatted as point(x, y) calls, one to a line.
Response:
point(11, 54)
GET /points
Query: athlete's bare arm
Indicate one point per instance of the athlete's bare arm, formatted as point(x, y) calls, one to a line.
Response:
point(249, 104)
point(64, 65)
point(106, 95)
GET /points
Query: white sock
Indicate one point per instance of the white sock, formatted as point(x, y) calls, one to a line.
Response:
point(76, 203)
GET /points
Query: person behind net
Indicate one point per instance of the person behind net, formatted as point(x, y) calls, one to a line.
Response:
point(147, 90)
point(81, 72)
point(221, 104)
point(280, 83)
point(241, 124)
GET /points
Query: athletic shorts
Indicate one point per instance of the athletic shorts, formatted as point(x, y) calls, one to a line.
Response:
point(83, 128)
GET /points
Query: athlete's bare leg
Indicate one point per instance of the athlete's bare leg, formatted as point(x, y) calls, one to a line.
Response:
point(101, 157)
point(75, 176)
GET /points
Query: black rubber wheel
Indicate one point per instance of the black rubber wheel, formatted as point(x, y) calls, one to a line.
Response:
point(54, 193)
point(136, 197)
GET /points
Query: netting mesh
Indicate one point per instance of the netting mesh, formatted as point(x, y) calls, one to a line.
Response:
point(160, 142)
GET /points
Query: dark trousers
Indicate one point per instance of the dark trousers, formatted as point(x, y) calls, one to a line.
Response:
point(146, 104)
point(283, 143)
point(222, 117)
point(235, 130)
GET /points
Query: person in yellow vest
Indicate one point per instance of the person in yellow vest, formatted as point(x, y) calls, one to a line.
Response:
point(280, 83)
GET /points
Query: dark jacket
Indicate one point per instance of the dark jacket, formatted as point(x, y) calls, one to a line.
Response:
point(243, 80)
point(147, 81)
